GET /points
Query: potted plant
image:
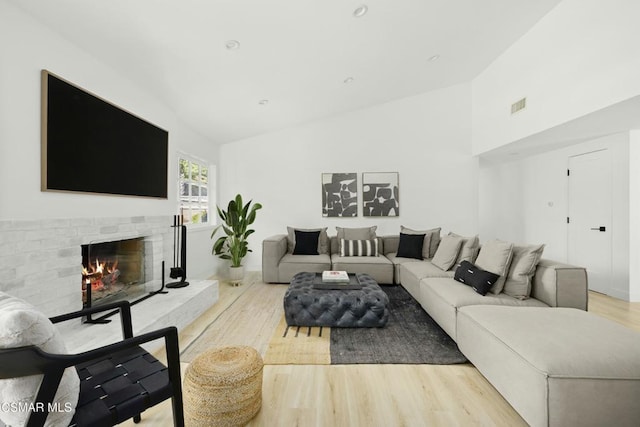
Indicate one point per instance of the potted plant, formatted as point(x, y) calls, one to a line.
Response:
point(233, 244)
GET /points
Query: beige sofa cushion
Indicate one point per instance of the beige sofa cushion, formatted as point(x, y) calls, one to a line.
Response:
point(364, 233)
point(323, 239)
point(469, 249)
point(447, 252)
point(557, 366)
point(430, 246)
point(495, 256)
point(523, 266)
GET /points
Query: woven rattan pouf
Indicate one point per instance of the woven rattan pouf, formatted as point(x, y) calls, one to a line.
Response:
point(223, 387)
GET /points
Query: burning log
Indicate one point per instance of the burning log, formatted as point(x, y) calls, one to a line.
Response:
point(110, 278)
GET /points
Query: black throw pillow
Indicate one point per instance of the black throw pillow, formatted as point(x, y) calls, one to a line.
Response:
point(410, 246)
point(306, 242)
point(480, 280)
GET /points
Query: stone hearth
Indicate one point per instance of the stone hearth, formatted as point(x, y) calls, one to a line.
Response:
point(41, 262)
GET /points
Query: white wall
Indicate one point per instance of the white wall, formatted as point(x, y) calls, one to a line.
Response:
point(27, 47)
point(581, 57)
point(426, 138)
point(634, 215)
point(532, 200)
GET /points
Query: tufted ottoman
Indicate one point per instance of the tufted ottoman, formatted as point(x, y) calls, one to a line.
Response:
point(361, 308)
point(223, 387)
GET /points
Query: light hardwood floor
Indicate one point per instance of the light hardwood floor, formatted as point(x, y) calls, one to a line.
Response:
point(357, 395)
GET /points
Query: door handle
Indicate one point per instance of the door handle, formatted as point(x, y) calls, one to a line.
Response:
point(601, 228)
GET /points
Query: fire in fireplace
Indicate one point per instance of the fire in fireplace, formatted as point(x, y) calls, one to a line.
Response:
point(112, 271)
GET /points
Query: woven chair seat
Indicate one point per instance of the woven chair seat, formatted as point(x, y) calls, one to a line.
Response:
point(116, 388)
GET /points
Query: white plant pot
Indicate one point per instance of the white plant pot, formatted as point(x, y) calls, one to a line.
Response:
point(236, 275)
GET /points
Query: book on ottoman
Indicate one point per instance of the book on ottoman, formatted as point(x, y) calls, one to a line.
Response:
point(335, 276)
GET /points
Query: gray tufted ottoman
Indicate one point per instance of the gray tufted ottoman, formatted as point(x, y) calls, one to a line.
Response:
point(361, 308)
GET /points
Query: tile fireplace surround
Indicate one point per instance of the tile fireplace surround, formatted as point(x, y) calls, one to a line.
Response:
point(41, 262)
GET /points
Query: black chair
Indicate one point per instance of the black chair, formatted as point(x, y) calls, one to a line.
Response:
point(117, 382)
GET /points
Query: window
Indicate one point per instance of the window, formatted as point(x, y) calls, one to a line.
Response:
point(193, 186)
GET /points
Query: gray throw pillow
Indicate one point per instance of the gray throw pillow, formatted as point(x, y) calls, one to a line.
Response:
point(447, 253)
point(323, 239)
point(523, 266)
point(495, 256)
point(364, 233)
point(433, 235)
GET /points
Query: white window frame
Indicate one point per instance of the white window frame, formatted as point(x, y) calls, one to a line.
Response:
point(195, 200)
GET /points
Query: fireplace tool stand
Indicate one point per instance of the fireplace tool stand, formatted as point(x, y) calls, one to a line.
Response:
point(179, 253)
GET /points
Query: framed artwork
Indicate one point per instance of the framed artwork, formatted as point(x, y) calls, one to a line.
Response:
point(380, 194)
point(339, 194)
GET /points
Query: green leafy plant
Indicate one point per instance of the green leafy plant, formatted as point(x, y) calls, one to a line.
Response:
point(233, 244)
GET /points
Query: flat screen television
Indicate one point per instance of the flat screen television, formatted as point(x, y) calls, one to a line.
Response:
point(90, 145)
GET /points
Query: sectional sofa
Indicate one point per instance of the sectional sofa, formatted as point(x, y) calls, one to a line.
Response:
point(531, 337)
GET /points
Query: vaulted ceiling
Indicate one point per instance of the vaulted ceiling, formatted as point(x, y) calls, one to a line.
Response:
point(294, 60)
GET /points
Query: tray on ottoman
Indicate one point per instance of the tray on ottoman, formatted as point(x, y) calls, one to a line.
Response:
point(305, 305)
point(352, 284)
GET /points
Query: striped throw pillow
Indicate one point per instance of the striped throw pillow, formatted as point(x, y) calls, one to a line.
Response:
point(358, 247)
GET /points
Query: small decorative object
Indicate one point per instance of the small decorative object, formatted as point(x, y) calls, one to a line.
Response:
point(335, 276)
point(380, 194)
point(233, 245)
point(339, 194)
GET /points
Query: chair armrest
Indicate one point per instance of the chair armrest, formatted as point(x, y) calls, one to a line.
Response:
point(560, 285)
point(43, 361)
point(273, 249)
point(123, 306)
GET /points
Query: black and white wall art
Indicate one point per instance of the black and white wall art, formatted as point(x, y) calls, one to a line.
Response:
point(380, 194)
point(339, 194)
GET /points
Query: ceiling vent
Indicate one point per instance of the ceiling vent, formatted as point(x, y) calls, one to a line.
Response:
point(518, 105)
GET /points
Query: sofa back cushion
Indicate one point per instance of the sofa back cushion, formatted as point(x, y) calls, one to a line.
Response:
point(523, 266)
point(495, 256)
point(447, 253)
point(363, 233)
point(469, 250)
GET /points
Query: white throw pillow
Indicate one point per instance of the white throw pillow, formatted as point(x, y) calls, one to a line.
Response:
point(21, 324)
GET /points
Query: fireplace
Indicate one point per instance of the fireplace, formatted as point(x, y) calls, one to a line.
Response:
point(113, 271)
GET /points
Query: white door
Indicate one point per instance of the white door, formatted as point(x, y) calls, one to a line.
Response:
point(589, 219)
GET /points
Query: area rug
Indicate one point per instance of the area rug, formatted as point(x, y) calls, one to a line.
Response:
point(411, 336)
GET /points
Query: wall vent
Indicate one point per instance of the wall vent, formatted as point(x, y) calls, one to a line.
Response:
point(518, 105)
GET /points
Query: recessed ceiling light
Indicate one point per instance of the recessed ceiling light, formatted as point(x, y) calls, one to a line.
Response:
point(232, 45)
point(348, 80)
point(360, 11)
point(434, 58)
point(263, 102)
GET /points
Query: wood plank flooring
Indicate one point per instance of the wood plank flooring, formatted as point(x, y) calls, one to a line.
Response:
point(356, 395)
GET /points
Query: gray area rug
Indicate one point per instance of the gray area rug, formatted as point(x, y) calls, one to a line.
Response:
point(410, 337)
